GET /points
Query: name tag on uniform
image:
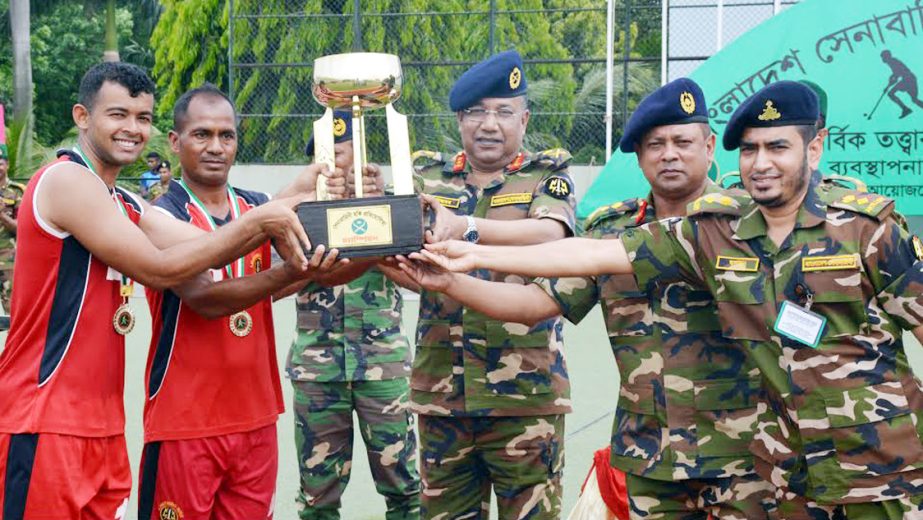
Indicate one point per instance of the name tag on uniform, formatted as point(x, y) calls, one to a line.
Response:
point(800, 324)
point(829, 263)
point(448, 202)
point(731, 263)
point(512, 198)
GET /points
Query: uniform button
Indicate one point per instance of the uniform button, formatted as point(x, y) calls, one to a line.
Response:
point(800, 290)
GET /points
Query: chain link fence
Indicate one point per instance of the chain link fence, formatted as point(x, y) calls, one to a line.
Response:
point(272, 46)
point(696, 29)
point(563, 43)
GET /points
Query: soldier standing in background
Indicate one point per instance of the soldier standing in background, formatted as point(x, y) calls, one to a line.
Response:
point(351, 354)
point(10, 197)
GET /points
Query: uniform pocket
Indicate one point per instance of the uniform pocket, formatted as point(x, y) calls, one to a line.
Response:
point(741, 305)
point(518, 359)
point(871, 434)
point(637, 433)
point(310, 321)
point(434, 358)
point(726, 416)
point(838, 297)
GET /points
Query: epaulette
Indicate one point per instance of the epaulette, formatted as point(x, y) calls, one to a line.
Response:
point(724, 203)
point(432, 158)
point(16, 185)
point(865, 203)
point(556, 158)
point(612, 210)
point(843, 181)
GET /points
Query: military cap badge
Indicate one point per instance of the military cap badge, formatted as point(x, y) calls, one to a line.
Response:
point(515, 78)
point(769, 113)
point(687, 102)
point(339, 127)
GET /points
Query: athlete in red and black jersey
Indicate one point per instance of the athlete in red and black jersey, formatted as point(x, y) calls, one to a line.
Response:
point(82, 241)
point(212, 380)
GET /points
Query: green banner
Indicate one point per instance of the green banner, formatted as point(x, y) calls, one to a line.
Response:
point(868, 57)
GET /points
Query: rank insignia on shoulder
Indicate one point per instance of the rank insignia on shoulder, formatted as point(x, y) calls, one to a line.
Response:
point(731, 263)
point(448, 202)
point(829, 263)
point(917, 247)
point(510, 198)
point(558, 187)
point(557, 158)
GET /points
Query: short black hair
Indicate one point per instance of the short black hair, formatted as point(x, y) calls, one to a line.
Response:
point(164, 163)
point(130, 76)
point(181, 108)
point(152, 154)
point(808, 132)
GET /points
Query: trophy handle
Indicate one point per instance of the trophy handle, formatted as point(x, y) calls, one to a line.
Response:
point(359, 157)
point(399, 144)
point(323, 150)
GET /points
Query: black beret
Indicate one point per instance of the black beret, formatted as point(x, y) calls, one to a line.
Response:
point(342, 130)
point(784, 103)
point(679, 102)
point(500, 76)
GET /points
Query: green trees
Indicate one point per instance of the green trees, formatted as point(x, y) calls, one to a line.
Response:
point(64, 38)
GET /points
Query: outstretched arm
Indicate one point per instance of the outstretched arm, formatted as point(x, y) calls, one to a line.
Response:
point(567, 257)
point(449, 226)
point(212, 299)
point(72, 201)
point(527, 304)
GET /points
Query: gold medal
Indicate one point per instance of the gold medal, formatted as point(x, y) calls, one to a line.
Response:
point(241, 324)
point(124, 319)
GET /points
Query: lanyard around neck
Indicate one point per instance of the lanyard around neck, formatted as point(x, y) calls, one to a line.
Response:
point(235, 214)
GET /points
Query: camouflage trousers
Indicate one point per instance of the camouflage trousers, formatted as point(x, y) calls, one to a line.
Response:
point(800, 508)
point(461, 458)
point(746, 497)
point(324, 442)
point(6, 287)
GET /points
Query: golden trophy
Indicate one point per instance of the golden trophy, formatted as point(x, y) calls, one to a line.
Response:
point(372, 226)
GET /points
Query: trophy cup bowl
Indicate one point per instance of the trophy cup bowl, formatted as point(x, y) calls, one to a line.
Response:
point(373, 77)
point(374, 226)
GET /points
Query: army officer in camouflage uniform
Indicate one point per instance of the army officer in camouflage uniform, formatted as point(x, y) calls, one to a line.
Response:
point(819, 282)
point(351, 354)
point(491, 396)
point(10, 197)
point(688, 398)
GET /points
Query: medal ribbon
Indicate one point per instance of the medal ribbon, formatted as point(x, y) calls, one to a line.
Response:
point(235, 214)
point(127, 287)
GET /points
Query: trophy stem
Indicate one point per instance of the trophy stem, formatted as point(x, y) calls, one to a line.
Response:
point(358, 145)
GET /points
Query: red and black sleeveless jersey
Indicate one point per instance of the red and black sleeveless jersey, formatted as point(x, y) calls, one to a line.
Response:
point(202, 380)
point(63, 369)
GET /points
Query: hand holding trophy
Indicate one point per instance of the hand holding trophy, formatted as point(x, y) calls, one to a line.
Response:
point(373, 226)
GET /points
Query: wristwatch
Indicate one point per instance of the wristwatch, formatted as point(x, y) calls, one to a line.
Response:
point(471, 234)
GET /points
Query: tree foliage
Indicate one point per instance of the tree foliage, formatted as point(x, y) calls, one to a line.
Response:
point(67, 37)
point(276, 41)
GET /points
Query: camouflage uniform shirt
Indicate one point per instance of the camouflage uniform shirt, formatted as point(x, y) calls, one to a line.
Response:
point(688, 396)
point(467, 364)
point(845, 418)
point(350, 332)
point(11, 195)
